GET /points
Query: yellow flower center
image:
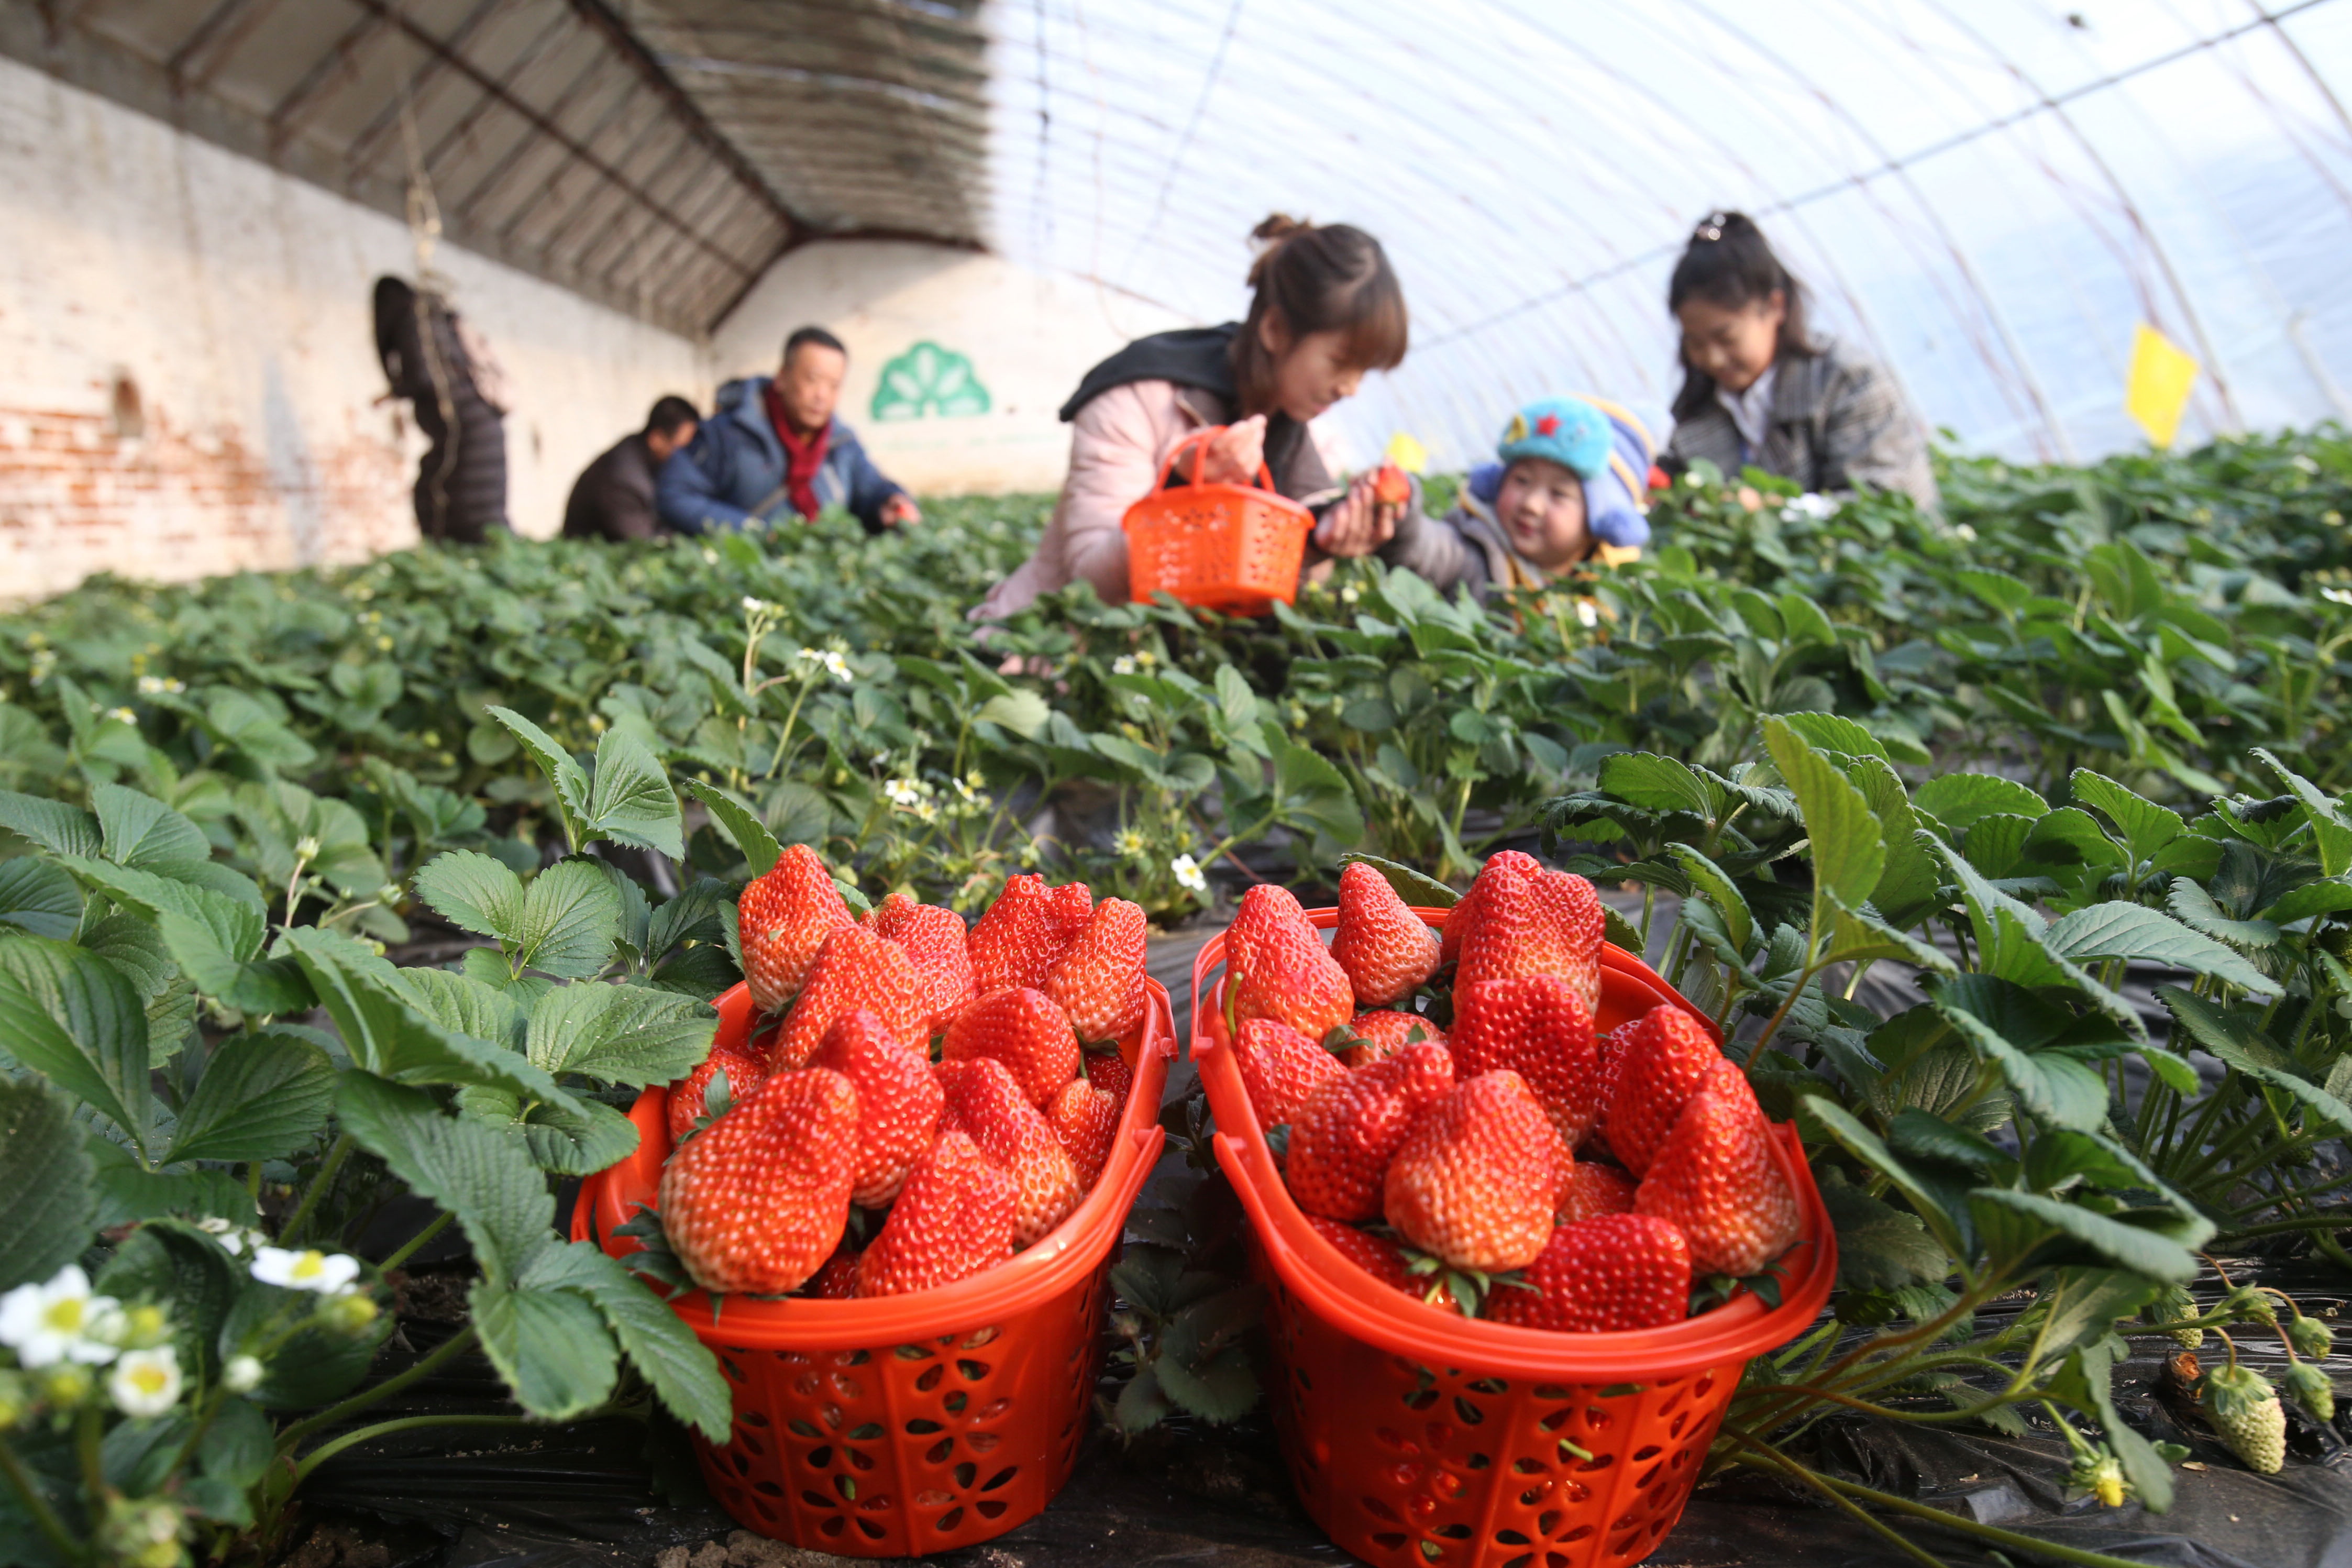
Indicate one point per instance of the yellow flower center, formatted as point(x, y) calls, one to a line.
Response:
point(148, 1378)
point(310, 1266)
point(65, 1317)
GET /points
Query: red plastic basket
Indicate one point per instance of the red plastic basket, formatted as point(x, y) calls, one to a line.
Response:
point(1235, 548)
point(1419, 1438)
point(909, 1423)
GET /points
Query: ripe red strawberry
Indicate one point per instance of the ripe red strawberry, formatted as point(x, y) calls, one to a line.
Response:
point(1667, 1055)
point(1615, 1048)
point(1343, 1138)
point(1390, 486)
point(1520, 927)
point(1715, 1179)
point(1611, 1272)
point(1265, 909)
point(1107, 1070)
point(838, 1281)
point(898, 1102)
point(854, 969)
point(1504, 865)
point(758, 1200)
point(1281, 1068)
point(689, 1100)
point(953, 1220)
point(1067, 909)
point(1025, 1031)
point(1098, 978)
point(1574, 905)
point(1381, 944)
point(1293, 977)
point(1536, 1026)
point(1085, 1118)
point(1379, 1258)
point(1386, 1034)
point(935, 941)
point(1586, 1189)
point(1021, 934)
point(784, 917)
point(987, 1106)
point(1473, 1181)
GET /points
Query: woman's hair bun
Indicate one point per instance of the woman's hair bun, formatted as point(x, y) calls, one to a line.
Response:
point(1277, 228)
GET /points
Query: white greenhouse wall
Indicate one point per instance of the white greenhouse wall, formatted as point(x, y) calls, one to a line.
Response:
point(1026, 338)
point(233, 303)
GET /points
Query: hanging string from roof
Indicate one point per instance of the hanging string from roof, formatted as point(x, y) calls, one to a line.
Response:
point(426, 298)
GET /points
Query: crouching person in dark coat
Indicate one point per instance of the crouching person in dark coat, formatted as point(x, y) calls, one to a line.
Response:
point(614, 497)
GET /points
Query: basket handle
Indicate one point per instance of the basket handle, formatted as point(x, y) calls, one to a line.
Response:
point(1202, 438)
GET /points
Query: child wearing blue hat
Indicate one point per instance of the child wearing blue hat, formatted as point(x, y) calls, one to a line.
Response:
point(1570, 485)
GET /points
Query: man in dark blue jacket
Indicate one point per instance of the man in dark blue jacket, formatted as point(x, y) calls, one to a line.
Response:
point(772, 446)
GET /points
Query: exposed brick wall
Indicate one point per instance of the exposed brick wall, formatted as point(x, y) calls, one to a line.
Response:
point(77, 497)
point(187, 365)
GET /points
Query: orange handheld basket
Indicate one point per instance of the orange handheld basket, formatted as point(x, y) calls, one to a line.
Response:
point(1419, 1438)
point(1235, 548)
point(913, 1424)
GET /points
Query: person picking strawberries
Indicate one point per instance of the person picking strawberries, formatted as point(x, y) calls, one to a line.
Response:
point(1571, 486)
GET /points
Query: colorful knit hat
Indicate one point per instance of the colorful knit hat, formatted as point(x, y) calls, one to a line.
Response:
point(1564, 430)
point(1606, 445)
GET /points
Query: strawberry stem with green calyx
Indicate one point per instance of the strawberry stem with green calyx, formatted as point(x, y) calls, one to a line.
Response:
point(1469, 1287)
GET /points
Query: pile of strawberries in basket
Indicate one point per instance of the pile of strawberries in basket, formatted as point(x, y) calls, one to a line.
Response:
point(786, 1150)
point(1510, 1164)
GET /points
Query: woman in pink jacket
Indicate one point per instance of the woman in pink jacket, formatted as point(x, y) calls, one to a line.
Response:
point(1325, 308)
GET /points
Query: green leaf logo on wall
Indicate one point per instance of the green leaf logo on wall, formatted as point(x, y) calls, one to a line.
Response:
point(929, 382)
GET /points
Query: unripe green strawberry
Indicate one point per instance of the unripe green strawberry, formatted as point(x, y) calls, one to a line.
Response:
point(2312, 1389)
point(2249, 1305)
point(2099, 1472)
point(2244, 1409)
point(2310, 1337)
point(2171, 1304)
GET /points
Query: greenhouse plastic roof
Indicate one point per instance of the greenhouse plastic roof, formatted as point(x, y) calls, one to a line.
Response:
point(1989, 194)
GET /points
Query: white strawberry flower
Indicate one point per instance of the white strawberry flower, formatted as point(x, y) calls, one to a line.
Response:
point(2336, 595)
point(242, 1374)
point(1587, 614)
point(327, 1273)
point(1189, 874)
point(1122, 665)
point(145, 1383)
point(234, 1238)
point(52, 1322)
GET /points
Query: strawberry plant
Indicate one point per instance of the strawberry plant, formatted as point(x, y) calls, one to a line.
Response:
point(212, 1083)
point(1988, 1138)
point(2086, 720)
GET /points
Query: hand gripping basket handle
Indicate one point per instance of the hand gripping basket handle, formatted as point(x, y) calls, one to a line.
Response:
point(1202, 438)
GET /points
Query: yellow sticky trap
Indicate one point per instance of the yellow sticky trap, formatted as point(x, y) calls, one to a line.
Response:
point(1408, 454)
point(2157, 392)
